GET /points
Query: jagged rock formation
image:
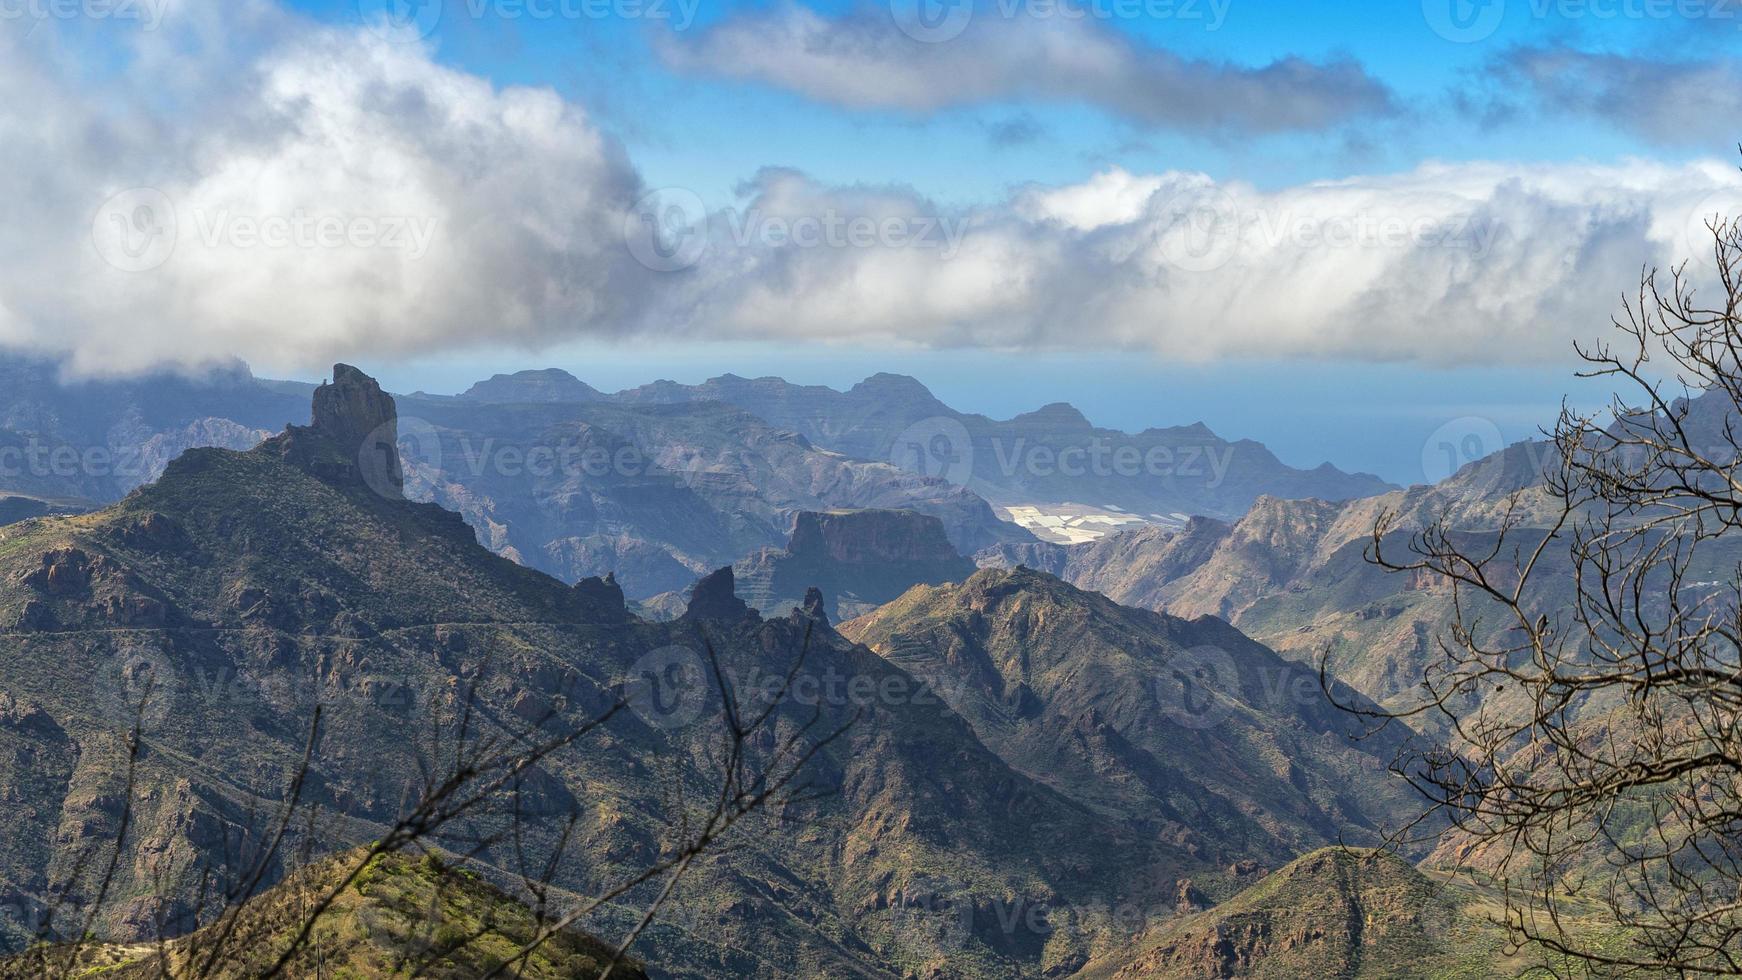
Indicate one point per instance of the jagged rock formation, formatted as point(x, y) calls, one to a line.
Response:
point(856, 560)
point(352, 436)
point(815, 606)
point(545, 473)
point(715, 597)
point(604, 597)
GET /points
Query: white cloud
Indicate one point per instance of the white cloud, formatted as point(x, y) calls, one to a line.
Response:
point(1111, 197)
point(1447, 264)
point(862, 61)
point(332, 193)
point(504, 208)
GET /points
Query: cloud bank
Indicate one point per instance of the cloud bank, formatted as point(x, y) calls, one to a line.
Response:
point(329, 193)
point(1482, 263)
point(254, 185)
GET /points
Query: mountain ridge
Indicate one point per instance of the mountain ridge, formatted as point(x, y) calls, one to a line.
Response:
point(218, 605)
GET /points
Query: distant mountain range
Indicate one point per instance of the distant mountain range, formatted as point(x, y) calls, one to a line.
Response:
point(1051, 455)
point(662, 483)
point(1295, 574)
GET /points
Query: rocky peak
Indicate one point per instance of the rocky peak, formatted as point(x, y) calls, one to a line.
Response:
point(716, 597)
point(1057, 415)
point(603, 596)
point(870, 536)
point(546, 386)
point(815, 606)
point(353, 435)
point(352, 407)
point(1188, 899)
point(899, 390)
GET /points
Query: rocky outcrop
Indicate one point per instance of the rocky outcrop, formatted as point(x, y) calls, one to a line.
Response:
point(352, 407)
point(716, 597)
point(352, 437)
point(603, 598)
point(1332, 913)
point(815, 606)
point(546, 387)
point(854, 561)
point(870, 537)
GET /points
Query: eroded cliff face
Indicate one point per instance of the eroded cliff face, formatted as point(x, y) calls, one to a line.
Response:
point(352, 437)
point(871, 537)
point(856, 560)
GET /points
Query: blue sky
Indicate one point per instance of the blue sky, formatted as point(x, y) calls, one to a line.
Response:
point(1429, 201)
point(709, 134)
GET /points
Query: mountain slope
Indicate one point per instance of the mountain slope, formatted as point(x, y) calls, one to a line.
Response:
point(1143, 715)
point(1294, 575)
point(403, 916)
point(1332, 913)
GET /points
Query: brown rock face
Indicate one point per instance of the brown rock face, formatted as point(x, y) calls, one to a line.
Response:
point(353, 436)
point(360, 418)
point(854, 561)
point(871, 536)
point(64, 572)
point(715, 597)
point(1188, 899)
point(350, 407)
